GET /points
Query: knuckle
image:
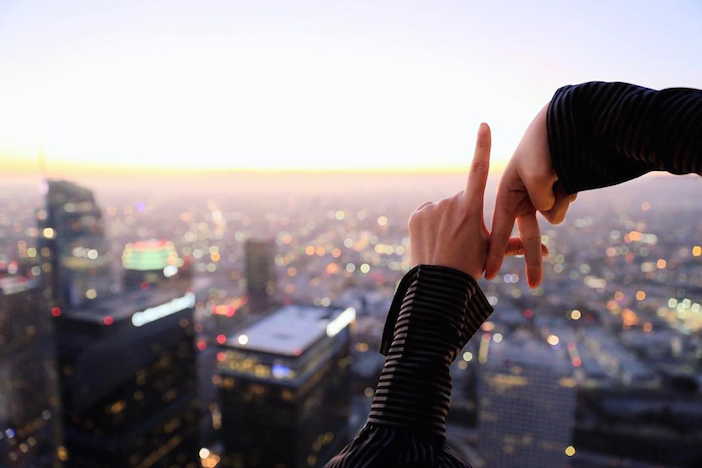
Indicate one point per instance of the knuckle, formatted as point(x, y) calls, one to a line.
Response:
point(414, 221)
point(478, 167)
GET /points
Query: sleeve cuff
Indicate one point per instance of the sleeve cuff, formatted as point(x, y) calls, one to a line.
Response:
point(585, 158)
point(467, 306)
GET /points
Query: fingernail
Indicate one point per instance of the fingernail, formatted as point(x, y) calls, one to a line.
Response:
point(482, 130)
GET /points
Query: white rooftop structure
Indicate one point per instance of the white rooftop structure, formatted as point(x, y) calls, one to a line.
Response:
point(292, 329)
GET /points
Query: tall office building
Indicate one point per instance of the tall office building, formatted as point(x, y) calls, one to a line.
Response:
point(284, 388)
point(73, 246)
point(129, 380)
point(29, 418)
point(526, 409)
point(260, 271)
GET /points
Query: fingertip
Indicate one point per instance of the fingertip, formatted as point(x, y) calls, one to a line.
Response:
point(483, 129)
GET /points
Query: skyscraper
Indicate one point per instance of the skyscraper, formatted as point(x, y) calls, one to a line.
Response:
point(129, 380)
point(284, 388)
point(260, 271)
point(73, 246)
point(526, 409)
point(127, 364)
point(29, 418)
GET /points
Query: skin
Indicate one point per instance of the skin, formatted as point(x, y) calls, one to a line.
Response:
point(452, 231)
point(528, 184)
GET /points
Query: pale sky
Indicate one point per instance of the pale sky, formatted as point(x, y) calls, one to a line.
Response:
point(312, 84)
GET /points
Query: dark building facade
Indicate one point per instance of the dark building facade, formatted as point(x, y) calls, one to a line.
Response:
point(129, 380)
point(284, 388)
point(260, 271)
point(29, 417)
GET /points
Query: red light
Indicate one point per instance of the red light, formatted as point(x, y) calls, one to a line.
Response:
point(577, 362)
point(221, 356)
point(201, 345)
point(221, 339)
point(144, 285)
point(108, 320)
point(528, 313)
point(56, 311)
point(231, 311)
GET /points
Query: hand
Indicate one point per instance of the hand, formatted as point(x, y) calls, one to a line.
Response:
point(452, 232)
point(527, 185)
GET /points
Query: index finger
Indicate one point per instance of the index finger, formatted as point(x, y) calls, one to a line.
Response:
point(479, 168)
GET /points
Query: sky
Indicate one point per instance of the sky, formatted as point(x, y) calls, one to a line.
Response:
point(375, 86)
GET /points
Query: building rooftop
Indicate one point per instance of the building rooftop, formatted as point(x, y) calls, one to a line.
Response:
point(292, 329)
point(140, 305)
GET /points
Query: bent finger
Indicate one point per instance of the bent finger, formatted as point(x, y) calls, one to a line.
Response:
point(502, 224)
point(514, 247)
point(531, 242)
point(557, 213)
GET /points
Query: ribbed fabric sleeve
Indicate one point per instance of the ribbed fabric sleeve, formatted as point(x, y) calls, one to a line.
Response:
point(602, 134)
point(434, 313)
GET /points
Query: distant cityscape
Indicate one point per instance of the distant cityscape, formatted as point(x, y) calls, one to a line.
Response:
point(196, 329)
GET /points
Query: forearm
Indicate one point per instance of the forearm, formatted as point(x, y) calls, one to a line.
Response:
point(430, 322)
point(602, 134)
point(434, 312)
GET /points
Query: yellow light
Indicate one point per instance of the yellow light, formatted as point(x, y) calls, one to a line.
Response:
point(697, 251)
point(382, 221)
point(552, 340)
point(91, 294)
point(640, 295)
point(243, 339)
point(570, 451)
point(661, 263)
point(362, 347)
point(204, 453)
point(575, 315)
point(48, 233)
point(467, 356)
point(365, 268)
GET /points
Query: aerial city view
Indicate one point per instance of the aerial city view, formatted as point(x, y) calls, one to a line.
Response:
point(243, 330)
point(270, 234)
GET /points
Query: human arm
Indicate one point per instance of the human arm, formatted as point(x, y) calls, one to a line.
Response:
point(437, 307)
point(602, 134)
point(589, 136)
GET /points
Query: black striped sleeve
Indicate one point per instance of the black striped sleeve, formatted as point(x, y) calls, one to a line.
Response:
point(434, 313)
point(602, 134)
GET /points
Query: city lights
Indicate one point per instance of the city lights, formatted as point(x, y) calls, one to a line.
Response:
point(552, 340)
point(339, 323)
point(158, 312)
